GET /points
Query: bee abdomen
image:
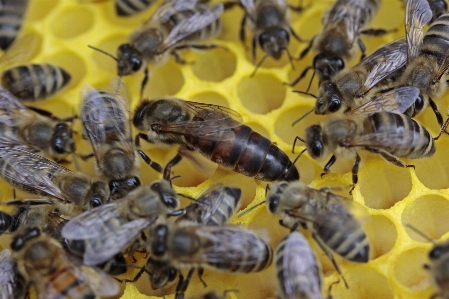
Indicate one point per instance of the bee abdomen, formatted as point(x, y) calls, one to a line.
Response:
point(69, 285)
point(126, 8)
point(436, 40)
point(35, 81)
point(11, 16)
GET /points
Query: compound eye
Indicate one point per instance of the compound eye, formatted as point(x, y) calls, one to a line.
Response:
point(136, 63)
point(335, 104)
point(436, 253)
point(419, 103)
point(17, 243)
point(272, 206)
point(96, 202)
point(340, 64)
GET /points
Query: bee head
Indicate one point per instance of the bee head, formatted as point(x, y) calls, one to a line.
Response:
point(160, 273)
point(99, 194)
point(438, 251)
point(274, 41)
point(62, 141)
point(327, 66)
point(274, 196)
point(129, 60)
point(18, 241)
point(167, 195)
point(329, 100)
point(315, 141)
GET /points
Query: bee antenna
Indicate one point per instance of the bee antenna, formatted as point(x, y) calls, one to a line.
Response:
point(259, 64)
point(306, 93)
point(305, 114)
point(311, 80)
point(416, 230)
point(294, 143)
point(104, 52)
point(290, 58)
point(250, 209)
point(296, 159)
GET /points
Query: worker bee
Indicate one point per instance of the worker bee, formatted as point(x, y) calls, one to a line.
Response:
point(217, 133)
point(391, 135)
point(106, 122)
point(12, 284)
point(297, 268)
point(334, 44)
point(43, 262)
point(270, 22)
point(34, 82)
point(438, 8)
point(11, 18)
point(34, 128)
point(109, 229)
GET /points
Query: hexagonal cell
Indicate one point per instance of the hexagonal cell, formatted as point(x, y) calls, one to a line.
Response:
point(72, 63)
point(365, 283)
point(382, 235)
point(409, 271)
point(38, 10)
point(210, 98)
point(261, 94)
point(72, 22)
point(213, 65)
point(164, 80)
point(429, 214)
point(383, 184)
point(109, 45)
point(433, 172)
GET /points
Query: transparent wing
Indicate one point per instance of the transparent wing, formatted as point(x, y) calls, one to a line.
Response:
point(418, 14)
point(9, 103)
point(171, 7)
point(249, 7)
point(31, 172)
point(191, 25)
point(100, 282)
point(211, 199)
point(444, 66)
point(397, 100)
point(383, 62)
point(7, 266)
point(19, 52)
point(211, 122)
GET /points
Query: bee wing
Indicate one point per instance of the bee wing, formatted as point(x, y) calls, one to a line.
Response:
point(211, 204)
point(19, 52)
point(191, 25)
point(383, 62)
point(418, 14)
point(397, 100)
point(7, 265)
point(32, 173)
point(9, 103)
point(210, 122)
point(101, 283)
point(171, 7)
point(444, 66)
point(249, 7)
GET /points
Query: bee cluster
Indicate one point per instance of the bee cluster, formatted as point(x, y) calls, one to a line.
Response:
point(90, 216)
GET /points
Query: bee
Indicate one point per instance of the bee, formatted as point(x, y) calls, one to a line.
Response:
point(11, 18)
point(34, 128)
point(391, 135)
point(128, 8)
point(106, 122)
point(107, 230)
point(270, 22)
point(12, 284)
point(438, 8)
point(217, 133)
point(43, 263)
point(34, 82)
point(334, 45)
point(297, 268)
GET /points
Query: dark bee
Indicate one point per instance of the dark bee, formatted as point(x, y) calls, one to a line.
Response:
point(334, 45)
point(12, 284)
point(106, 122)
point(34, 82)
point(11, 18)
point(34, 128)
point(217, 133)
point(43, 262)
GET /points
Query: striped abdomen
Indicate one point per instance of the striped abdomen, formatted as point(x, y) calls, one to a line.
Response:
point(406, 137)
point(35, 81)
point(126, 8)
point(436, 40)
point(250, 154)
point(297, 268)
point(65, 282)
point(11, 18)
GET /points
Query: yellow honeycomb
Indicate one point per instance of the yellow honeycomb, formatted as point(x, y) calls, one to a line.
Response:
point(392, 196)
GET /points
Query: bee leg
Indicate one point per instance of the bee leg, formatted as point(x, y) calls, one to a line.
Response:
point(436, 111)
point(253, 48)
point(170, 164)
point(42, 112)
point(86, 157)
point(443, 129)
point(376, 31)
point(362, 48)
point(355, 171)
point(200, 276)
point(329, 295)
point(300, 77)
point(242, 29)
point(330, 256)
point(328, 165)
point(295, 35)
point(141, 136)
point(178, 58)
point(144, 82)
point(136, 278)
point(307, 49)
point(183, 284)
point(147, 160)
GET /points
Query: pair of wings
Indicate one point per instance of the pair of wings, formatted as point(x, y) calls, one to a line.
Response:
point(250, 6)
point(105, 117)
point(186, 27)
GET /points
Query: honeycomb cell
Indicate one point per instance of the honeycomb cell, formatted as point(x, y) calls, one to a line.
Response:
point(38, 10)
point(261, 94)
point(72, 63)
point(409, 271)
point(429, 214)
point(383, 184)
point(109, 45)
point(382, 235)
point(213, 65)
point(193, 171)
point(210, 98)
point(433, 172)
point(72, 22)
point(164, 80)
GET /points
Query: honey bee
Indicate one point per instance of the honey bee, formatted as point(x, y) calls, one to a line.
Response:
point(34, 82)
point(11, 18)
point(438, 8)
point(12, 284)
point(34, 128)
point(391, 135)
point(106, 122)
point(334, 45)
point(297, 269)
point(107, 230)
point(217, 133)
point(43, 263)
point(270, 22)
